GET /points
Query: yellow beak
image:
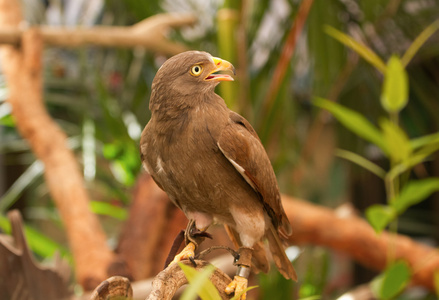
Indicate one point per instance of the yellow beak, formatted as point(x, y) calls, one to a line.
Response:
point(221, 65)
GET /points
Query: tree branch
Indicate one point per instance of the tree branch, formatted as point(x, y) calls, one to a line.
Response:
point(318, 225)
point(168, 281)
point(149, 33)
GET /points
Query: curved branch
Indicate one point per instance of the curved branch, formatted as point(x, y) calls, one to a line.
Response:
point(113, 288)
point(168, 281)
point(317, 225)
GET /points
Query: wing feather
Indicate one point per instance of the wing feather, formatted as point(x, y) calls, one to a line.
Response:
point(241, 146)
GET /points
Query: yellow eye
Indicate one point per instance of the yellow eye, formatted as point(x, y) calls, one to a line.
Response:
point(196, 70)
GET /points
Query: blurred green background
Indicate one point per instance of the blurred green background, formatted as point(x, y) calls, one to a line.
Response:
point(99, 97)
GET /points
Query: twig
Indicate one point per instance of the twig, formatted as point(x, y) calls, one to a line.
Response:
point(210, 249)
point(287, 53)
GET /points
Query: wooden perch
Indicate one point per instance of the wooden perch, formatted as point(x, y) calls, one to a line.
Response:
point(114, 288)
point(149, 33)
point(164, 286)
point(168, 281)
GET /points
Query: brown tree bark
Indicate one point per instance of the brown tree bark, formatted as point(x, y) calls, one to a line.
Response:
point(168, 281)
point(318, 225)
point(149, 33)
point(23, 71)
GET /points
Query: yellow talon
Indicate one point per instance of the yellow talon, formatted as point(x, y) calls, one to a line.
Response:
point(186, 253)
point(238, 285)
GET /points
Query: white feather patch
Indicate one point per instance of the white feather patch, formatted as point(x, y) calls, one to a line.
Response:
point(159, 166)
point(239, 168)
point(145, 166)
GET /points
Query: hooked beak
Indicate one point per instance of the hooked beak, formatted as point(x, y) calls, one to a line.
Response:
point(221, 65)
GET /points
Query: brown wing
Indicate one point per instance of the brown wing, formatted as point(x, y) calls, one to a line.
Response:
point(241, 146)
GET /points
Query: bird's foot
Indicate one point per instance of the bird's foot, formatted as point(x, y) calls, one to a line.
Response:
point(193, 235)
point(239, 286)
point(187, 253)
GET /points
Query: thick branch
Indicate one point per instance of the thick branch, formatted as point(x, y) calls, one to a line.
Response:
point(22, 68)
point(322, 226)
point(149, 33)
point(167, 282)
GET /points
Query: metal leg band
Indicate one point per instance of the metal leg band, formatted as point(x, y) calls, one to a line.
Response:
point(243, 271)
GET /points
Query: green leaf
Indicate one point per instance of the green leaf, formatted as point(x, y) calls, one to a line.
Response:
point(413, 160)
point(414, 192)
point(34, 171)
point(395, 92)
point(397, 141)
point(311, 298)
point(7, 121)
point(436, 282)
point(379, 216)
point(199, 284)
point(425, 140)
point(354, 121)
point(237, 297)
point(107, 209)
point(362, 50)
point(392, 282)
point(419, 41)
point(361, 161)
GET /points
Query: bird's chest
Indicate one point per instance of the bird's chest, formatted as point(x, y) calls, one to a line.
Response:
point(184, 157)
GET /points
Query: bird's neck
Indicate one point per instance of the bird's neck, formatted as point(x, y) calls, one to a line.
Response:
point(172, 105)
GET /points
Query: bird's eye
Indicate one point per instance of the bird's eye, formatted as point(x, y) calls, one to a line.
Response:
point(196, 70)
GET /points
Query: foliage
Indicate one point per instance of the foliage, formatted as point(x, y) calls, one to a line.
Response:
point(395, 145)
point(392, 140)
point(199, 284)
point(392, 282)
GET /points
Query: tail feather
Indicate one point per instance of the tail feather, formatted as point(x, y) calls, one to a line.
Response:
point(280, 258)
point(259, 257)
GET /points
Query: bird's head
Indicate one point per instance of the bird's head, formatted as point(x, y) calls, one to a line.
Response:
point(190, 73)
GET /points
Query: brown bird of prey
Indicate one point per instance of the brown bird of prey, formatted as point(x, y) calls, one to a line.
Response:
point(211, 163)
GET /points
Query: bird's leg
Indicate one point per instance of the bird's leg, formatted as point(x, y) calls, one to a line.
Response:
point(189, 251)
point(240, 281)
point(193, 237)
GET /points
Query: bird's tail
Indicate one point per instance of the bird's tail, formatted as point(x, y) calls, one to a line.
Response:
point(259, 257)
point(277, 251)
